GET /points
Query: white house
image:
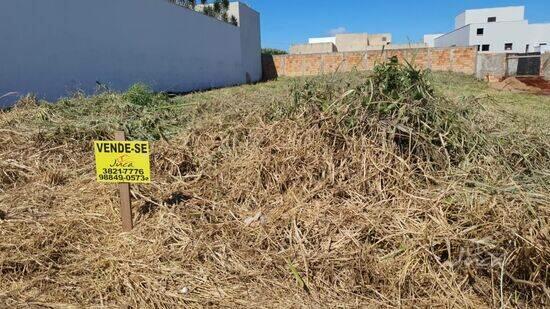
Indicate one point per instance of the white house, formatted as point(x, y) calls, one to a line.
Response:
point(343, 42)
point(497, 30)
point(429, 39)
point(54, 48)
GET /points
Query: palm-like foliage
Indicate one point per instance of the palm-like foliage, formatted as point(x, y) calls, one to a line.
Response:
point(186, 3)
point(225, 4)
point(218, 9)
point(234, 21)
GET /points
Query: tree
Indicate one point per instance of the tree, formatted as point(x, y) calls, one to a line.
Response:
point(273, 51)
point(234, 21)
point(217, 7)
point(186, 3)
point(209, 11)
point(225, 4)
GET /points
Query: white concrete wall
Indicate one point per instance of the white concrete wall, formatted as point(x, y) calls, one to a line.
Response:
point(500, 33)
point(520, 34)
point(429, 39)
point(503, 14)
point(347, 42)
point(539, 33)
point(496, 34)
point(250, 37)
point(460, 20)
point(55, 47)
point(544, 49)
point(459, 37)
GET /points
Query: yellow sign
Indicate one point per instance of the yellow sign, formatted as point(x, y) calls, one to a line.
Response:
point(122, 162)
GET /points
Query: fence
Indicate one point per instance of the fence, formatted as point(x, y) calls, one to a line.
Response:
point(494, 66)
point(456, 59)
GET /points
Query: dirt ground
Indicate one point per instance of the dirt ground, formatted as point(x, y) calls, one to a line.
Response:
point(536, 85)
point(537, 82)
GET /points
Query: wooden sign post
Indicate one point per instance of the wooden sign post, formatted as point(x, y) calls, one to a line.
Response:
point(123, 162)
point(125, 199)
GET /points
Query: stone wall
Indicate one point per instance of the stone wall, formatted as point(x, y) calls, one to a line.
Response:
point(456, 59)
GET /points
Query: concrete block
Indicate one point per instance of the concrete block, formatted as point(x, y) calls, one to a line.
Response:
point(545, 65)
point(350, 42)
point(380, 39)
point(512, 67)
point(491, 65)
point(314, 48)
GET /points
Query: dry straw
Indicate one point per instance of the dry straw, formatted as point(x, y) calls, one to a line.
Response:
point(342, 191)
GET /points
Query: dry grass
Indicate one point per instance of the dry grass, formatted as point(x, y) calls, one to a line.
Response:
point(294, 193)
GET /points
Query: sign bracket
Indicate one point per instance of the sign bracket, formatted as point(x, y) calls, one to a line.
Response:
point(125, 199)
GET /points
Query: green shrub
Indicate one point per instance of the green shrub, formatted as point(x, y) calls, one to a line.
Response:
point(139, 94)
point(273, 51)
point(394, 105)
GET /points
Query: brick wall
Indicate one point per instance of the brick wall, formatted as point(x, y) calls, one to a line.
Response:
point(456, 59)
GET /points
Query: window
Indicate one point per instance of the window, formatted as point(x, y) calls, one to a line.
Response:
point(527, 48)
point(508, 46)
point(491, 19)
point(480, 31)
point(384, 39)
point(485, 47)
point(478, 47)
point(543, 44)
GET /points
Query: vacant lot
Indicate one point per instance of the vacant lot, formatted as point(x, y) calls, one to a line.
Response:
point(324, 192)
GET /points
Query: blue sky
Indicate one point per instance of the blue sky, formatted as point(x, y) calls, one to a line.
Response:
point(288, 22)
